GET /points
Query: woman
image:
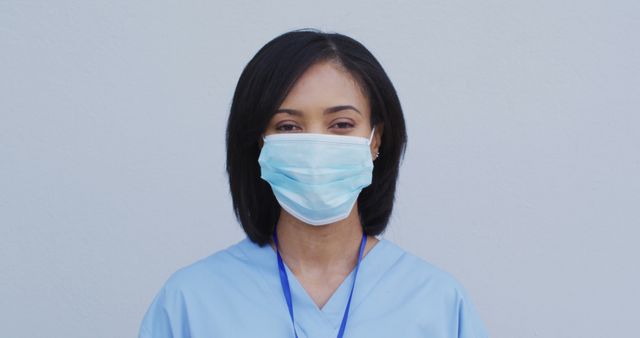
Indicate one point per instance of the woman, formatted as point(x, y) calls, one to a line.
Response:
point(314, 141)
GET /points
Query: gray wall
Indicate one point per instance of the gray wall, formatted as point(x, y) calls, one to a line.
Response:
point(521, 176)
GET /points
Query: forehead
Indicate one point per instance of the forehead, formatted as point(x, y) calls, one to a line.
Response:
point(325, 84)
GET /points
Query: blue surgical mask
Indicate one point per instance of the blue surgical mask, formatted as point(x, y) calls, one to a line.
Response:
point(316, 177)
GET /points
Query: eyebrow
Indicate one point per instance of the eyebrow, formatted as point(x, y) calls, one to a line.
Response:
point(329, 110)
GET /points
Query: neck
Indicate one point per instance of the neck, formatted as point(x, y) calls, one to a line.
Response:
point(307, 248)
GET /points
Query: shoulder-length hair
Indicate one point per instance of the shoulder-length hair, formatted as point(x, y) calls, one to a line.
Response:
point(264, 84)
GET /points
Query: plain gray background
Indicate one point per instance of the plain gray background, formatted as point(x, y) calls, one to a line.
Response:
point(521, 176)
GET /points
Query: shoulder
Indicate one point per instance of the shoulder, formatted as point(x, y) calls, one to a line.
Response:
point(432, 286)
point(424, 277)
point(185, 289)
point(219, 266)
point(423, 272)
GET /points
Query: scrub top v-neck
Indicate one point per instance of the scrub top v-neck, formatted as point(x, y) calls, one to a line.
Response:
point(236, 292)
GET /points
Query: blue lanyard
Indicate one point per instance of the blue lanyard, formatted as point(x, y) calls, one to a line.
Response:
point(284, 281)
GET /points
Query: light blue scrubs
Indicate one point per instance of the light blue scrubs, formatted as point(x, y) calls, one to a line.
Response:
point(236, 292)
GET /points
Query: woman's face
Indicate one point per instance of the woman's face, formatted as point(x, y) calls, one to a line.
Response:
point(325, 100)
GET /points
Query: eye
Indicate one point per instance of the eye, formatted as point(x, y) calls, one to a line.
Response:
point(287, 127)
point(342, 125)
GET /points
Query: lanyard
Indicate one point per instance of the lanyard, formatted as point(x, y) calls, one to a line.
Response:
point(284, 281)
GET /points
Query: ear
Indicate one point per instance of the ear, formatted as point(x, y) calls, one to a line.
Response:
point(377, 139)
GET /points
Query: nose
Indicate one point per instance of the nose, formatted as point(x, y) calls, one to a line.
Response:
point(316, 127)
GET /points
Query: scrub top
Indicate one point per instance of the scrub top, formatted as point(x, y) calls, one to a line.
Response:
point(236, 292)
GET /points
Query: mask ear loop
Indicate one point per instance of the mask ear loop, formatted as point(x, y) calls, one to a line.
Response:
point(373, 131)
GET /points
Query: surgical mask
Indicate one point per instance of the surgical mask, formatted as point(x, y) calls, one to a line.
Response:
point(316, 177)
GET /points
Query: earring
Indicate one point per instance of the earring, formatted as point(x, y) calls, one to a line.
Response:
point(377, 154)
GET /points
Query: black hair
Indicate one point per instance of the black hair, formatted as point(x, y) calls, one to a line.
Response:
point(264, 84)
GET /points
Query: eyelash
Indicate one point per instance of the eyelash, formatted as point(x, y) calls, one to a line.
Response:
point(281, 127)
point(349, 124)
point(344, 124)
